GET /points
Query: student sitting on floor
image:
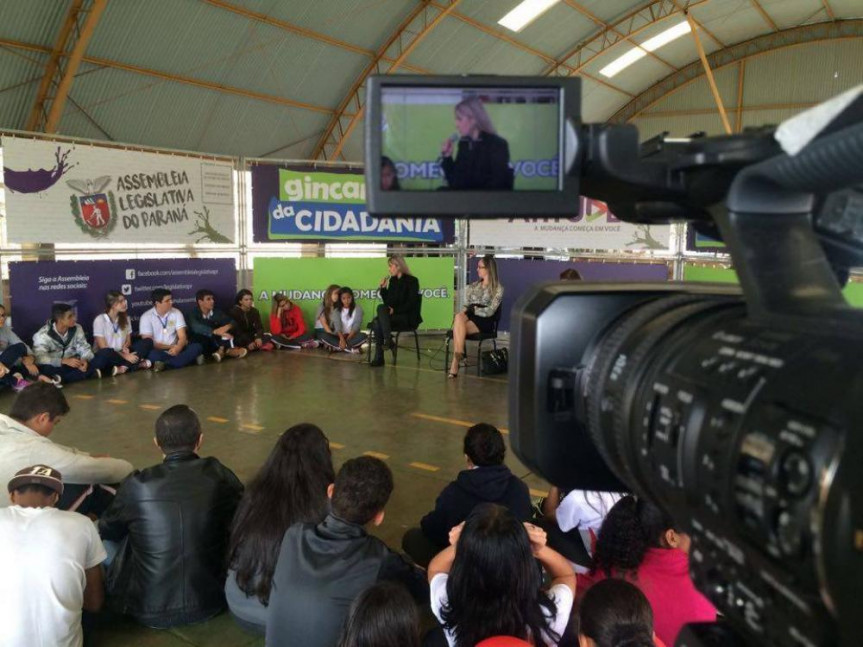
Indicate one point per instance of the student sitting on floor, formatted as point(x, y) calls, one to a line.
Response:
point(323, 567)
point(640, 542)
point(346, 322)
point(486, 480)
point(166, 327)
point(112, 330)
point(615, 612)
point(324, 312)
point(573, 522)
point(17, 363)
point(248, 328)
point(486, 583)
point(384, 615)
point(50, 560)
point(212, 329)
point(287, 326)
point(290, 488)
point(24, 441)
point(173, 521)
point(62, 350)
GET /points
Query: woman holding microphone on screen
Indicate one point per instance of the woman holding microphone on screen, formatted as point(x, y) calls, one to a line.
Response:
point(483, 298)
point(482, 160)
point(401, 306)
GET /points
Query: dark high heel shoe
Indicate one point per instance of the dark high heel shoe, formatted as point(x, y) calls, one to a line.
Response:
point(458, 357)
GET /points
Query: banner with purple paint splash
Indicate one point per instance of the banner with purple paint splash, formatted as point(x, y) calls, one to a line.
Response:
point(63, 192)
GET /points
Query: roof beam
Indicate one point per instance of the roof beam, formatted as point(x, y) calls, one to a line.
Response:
point(665, 114)
point(828, 9)
point(52, 67)
point(601, 23)
point(185, 80)
point(713, 89)
point(574, 60)
point(764, 15)
point(413, 29)
point(824, 31)
point(301, 31)
point(741, 75)
point(72, 63)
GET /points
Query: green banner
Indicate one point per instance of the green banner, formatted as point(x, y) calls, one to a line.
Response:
point(414, 134)
point(304, 280)
point(853, 291)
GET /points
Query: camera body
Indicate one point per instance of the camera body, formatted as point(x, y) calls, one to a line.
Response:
point(737, 410)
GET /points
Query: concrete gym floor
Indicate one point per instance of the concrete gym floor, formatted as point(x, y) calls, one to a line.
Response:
point(411, 416)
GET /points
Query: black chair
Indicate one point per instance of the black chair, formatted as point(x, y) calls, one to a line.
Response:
point(397, 332)
point(479, 337)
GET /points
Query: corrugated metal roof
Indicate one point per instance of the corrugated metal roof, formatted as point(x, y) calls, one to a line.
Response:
point(229, 47)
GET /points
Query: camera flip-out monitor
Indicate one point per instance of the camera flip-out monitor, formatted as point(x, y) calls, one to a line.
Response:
point(479, 146)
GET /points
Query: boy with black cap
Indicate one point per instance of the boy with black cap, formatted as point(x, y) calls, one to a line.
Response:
point(50, 560)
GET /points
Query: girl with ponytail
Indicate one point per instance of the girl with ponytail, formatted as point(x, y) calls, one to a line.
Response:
point(640, 543)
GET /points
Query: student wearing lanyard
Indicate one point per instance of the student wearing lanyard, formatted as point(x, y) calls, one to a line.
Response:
point(166, 327)
point(112, 330)
point(62, 351)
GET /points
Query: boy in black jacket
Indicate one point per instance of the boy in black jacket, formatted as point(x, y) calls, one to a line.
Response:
point(173, 521)
point(486, 480)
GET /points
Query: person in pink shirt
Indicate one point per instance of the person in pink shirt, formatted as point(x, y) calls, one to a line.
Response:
point(640, 543)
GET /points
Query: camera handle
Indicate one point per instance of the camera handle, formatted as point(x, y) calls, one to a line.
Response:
point(767, 226)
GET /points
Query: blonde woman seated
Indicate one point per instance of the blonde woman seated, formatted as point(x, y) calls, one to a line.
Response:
point(483, 298)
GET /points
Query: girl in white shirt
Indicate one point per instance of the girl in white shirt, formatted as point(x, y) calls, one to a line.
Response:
point(487, 583)
point(112, 335)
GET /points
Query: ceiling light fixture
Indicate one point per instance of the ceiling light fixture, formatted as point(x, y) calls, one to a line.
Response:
point(525, 13)
point(650, 45)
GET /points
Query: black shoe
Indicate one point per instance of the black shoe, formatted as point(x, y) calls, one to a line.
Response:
point(388, 343)
point(377, 361)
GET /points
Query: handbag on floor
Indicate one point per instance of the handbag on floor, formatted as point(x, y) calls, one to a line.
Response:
point(495, 362)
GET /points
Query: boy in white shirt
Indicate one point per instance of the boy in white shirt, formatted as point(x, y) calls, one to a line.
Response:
point(50, 560)
point(166, 327)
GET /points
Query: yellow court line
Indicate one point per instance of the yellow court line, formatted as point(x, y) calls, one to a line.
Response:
point(539, 493)
point(336, 445)
point(151, 407)
point(252, 427)
point(216, 419)
point(383, 457)
point(113, 401)
point(84, 397)
point(451, 421)
point(425, 466)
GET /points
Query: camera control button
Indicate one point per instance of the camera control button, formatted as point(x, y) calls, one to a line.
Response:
point(796, 473)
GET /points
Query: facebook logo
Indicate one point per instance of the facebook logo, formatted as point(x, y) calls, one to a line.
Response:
point(130, 276)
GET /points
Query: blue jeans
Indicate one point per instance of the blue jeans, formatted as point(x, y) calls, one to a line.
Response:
point(183, 358)
point(9, 357)
point(101, 361)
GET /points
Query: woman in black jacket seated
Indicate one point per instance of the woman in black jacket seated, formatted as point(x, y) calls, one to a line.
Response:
point(290, 488)
point(482, 161)
point(400, 308)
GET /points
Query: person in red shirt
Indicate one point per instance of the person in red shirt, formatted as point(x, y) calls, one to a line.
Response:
point(640, 543)
point(287, 326)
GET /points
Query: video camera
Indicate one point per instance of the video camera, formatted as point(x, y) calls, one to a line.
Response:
point(737, 410)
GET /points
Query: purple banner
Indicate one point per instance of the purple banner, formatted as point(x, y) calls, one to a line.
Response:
point(36, 286)
point(518, 276)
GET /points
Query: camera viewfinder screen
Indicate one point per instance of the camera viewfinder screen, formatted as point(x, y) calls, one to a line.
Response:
point(470, 139)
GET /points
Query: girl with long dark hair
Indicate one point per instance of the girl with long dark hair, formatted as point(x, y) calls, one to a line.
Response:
point(290, 488)
point(615, 613)
point(248, 328)
point(384, 615)
point(486, 582)
point(112, 337)
point(640, 542)
point(346, 322)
